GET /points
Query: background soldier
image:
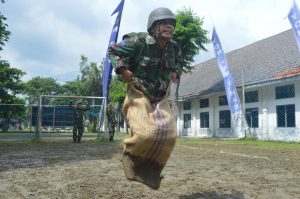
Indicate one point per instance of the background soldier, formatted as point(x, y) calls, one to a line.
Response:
point(78, 126)
point(111, 121)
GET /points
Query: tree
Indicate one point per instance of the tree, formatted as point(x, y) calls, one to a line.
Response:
point(90, 83)
point(10, 86)
point(90, 78)
point(117, 91)
point(117, 95)
point(38, 86)
point(190, 36)
point(71, 88)
point(4, 33)
point(10, 83)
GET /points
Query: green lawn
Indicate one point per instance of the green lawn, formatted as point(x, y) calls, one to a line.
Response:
point(258, 143)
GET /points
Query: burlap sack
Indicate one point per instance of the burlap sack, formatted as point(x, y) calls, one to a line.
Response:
point(153, 136)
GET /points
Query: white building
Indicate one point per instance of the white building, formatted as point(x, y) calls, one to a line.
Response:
point(267, 72)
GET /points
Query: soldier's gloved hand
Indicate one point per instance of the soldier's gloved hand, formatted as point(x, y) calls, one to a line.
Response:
point(127, 76)
point(173, 76)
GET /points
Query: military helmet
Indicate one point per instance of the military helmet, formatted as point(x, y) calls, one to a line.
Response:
point(160, 14)
point(79, 102)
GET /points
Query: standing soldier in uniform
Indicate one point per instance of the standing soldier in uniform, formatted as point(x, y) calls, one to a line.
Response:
point(148, 63)
point(111, 121)
point(78, 126)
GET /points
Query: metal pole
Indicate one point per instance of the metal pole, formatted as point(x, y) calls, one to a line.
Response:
point(53, 120)
point(39, 123)
point(244, 106)
point(243, 90)
point(243, 94)
point(72, 97)
point(30, 123)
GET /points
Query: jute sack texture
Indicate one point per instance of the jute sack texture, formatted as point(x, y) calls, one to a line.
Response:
point(152, 139)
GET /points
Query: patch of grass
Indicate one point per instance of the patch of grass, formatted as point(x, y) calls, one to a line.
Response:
point(246, 141)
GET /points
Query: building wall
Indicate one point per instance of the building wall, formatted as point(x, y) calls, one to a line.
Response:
point(267, 116)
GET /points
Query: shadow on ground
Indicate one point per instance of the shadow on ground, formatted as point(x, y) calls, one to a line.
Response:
point(213, 195)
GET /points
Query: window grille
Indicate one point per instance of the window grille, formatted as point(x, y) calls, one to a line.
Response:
point(287, 91)
point(251, 96)
point(225, 119)
point(187, 121)
point(285, 115)
point(204, 120)
point(187, 105)
point(252, 117)
point(204, 103)
point(223, 100)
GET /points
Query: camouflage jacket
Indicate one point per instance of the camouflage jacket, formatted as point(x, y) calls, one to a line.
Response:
point(79, 116)
point(111, 119)
point(151, 65)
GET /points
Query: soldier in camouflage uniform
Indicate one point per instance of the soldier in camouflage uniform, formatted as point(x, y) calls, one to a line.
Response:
point(111, 122)
point(78, 126)
point(148, 62)
point(150, 59)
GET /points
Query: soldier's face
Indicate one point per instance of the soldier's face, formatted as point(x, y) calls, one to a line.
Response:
point(165, 29)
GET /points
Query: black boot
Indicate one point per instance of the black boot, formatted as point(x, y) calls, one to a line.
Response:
point(79, 139)
point(74, 137)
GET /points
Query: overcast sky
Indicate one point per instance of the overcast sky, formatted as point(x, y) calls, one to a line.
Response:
point(48, 36)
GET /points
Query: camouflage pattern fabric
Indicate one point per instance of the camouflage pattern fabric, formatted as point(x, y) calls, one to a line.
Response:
point(111, 122)
point(78, 126)
point(151, 65)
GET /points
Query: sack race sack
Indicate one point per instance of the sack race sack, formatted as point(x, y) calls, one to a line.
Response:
point(152, 139)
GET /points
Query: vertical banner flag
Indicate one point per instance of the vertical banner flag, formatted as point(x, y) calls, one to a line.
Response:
point(294, 18)
point(231, 93)
point(107, 65)
point(113, 39)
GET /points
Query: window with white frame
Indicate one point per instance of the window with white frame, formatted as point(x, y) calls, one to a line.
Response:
point(204, 120)
point(225, 119)
point(252, 117)
point(187, 105)
point(204, 103)
point(223, 100)
point(251, 96)
point(287, 91)
point(187, 121)
point(285, 115)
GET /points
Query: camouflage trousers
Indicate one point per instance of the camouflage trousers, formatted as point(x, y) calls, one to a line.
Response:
point(111, 133)
point(77, 133)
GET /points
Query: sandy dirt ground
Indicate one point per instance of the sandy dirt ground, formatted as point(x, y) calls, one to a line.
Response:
point(65, 170)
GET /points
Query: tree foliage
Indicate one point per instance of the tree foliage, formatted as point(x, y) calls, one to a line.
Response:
point(90, 78)
point(38, 86)
point(10, 87)
point(117, 90)
point(71, 88)
point(10, 83)
point(4, 33)
point(190, 36)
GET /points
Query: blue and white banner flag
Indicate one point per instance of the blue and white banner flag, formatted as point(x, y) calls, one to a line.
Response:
point(294, 18)
point(231, 93)
point(113, 39)
point(107, 73)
